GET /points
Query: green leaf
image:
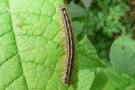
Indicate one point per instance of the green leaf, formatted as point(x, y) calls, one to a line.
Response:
point(78, 26)
point(32, 53)
point(76, 11)
point(86, 78)
point(119, 81)
point(87, 3)
point(122, 55)
point(88, 57)
point(109, 86)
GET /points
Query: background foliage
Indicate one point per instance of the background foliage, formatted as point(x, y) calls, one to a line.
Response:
point(110, 26)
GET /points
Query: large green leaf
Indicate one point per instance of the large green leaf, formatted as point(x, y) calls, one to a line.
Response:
point(32, 55)
point(122, 55)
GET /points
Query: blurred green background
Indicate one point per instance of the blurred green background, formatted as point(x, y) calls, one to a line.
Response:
point(110, 26)
point(102, 21)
